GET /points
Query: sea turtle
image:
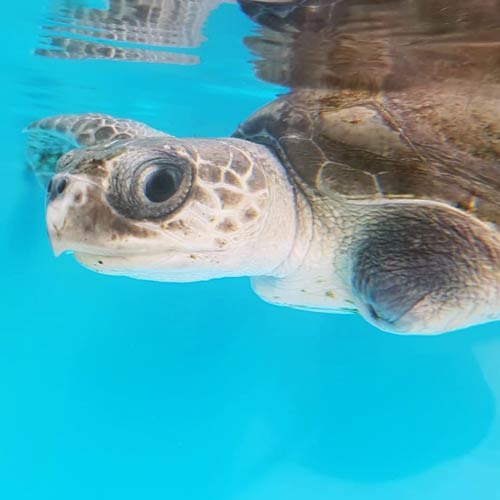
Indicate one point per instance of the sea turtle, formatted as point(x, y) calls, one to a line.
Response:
point(371, 187)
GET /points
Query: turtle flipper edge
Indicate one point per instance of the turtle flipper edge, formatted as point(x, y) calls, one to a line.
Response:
point(52, 137)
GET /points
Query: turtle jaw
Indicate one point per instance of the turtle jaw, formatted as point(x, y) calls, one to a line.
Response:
point(166, 266)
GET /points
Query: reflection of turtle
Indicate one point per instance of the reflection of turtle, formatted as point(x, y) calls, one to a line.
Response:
point(364, 191)
point(126, 30)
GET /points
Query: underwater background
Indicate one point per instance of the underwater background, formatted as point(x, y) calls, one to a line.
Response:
point(116, 388)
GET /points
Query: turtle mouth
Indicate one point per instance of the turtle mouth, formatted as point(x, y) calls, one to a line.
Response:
point(122, 259)
point(170, 266)
point(61, 246)
point(132, 265)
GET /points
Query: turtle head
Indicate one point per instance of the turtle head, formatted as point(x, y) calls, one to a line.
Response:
point(172, 209)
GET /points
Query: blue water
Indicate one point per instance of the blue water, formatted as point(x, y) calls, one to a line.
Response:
point(115, 388)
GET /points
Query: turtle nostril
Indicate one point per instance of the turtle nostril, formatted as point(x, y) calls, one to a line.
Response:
point(61, 186)
point(56, 187)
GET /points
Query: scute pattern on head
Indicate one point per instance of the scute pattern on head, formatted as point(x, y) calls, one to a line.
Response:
point(228, 186)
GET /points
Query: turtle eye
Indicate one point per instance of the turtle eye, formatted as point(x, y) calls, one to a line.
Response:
point(161, 184)
point(150, 189)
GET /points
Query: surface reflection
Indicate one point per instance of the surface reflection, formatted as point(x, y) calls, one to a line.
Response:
point(126, 30)
point(375, 45)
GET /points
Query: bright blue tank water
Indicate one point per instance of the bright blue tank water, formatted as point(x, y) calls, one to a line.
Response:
point(112, 388)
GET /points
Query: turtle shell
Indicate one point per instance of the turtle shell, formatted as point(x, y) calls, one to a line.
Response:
point(361, 146)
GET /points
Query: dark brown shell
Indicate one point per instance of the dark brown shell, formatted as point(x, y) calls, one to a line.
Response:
point(365, 147)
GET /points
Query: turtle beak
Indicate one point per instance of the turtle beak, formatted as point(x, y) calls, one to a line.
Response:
point(79, 218)
point(69, 199)
point(58, 247)
point(56, 215)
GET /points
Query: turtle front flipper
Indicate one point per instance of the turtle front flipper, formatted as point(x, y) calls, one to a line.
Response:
point(52, 137)
point(425, 268)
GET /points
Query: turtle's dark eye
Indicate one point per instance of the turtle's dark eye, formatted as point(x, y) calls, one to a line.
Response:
point(161, 185)
point(153, 188)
